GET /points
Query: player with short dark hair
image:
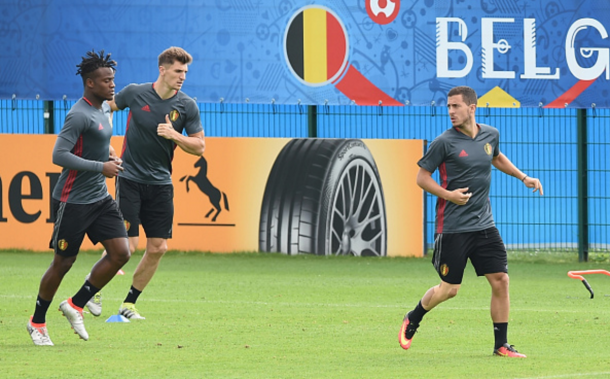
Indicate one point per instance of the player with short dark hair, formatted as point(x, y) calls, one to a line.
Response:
point(159, 112)
point(81, 203)
point(465, 227)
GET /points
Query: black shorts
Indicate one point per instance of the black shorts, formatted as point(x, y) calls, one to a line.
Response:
point(149, 205)
point(101, 221)
point(485, 249)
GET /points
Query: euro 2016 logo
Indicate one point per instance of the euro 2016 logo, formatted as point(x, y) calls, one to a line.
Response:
point(382, 11)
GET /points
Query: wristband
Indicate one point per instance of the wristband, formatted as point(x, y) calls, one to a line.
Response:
point(524, 178)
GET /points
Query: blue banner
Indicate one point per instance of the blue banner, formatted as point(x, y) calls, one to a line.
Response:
point(514, 53)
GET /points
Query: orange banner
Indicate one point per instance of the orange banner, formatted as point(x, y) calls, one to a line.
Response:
point(250, 194)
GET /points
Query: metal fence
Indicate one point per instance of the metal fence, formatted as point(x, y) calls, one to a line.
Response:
point(567, 149)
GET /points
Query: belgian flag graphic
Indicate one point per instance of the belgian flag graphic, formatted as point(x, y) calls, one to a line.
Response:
point(316, 46)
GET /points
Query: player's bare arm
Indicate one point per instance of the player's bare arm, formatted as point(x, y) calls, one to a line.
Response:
point(112, 156)
point(192, 144)
point(502, 163)
point(459, 196)
point(113, 107)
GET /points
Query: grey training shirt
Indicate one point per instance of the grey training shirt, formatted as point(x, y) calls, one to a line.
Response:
point(147, 157)
point(463, 162)
point(81, 149)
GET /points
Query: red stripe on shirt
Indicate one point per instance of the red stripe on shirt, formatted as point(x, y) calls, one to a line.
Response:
point(78, 151)
point(442, 203)
point(125, 137)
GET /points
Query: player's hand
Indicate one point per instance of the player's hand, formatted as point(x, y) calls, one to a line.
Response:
point(534, 183)
point(460, 196)
point(112, 168)
point(166, 129)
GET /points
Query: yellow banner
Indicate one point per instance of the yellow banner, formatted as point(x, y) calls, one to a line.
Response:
point(321, 196)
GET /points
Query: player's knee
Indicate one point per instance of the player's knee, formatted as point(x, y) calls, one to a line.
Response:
point(157, 251)
point(119, 254)
point(123, 256)
point(157, 246)
point(63, 264)
point(502, 282)
point(505, 280)
point(452, 292)
point(449, 291)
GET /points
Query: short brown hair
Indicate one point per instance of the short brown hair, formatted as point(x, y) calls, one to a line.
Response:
point(468, 94)
point(172, 54)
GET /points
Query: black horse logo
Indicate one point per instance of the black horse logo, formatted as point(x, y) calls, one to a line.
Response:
point(205, 186)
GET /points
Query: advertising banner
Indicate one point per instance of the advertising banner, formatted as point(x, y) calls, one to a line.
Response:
point(295, 196)
point(514, 53)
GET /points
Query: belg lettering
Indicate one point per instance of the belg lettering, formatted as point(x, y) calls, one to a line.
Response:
point(490, 44)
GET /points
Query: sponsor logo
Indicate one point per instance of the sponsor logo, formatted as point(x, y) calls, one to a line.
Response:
point(218, 198)
point(146, 108)
point(100, 127)
point(463, 153)
point(62, 245)
point(444, 270)
point(173, 115)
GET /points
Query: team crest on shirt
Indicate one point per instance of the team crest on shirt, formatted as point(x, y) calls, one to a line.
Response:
point(127, 225)
point(62, 244)
point(173, 115)
point(444, 270)
point(487, 148)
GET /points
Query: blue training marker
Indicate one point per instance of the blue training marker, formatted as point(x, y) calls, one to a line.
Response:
point(117, 318)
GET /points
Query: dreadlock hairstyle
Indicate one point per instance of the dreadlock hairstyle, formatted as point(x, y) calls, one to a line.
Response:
point(92, 62)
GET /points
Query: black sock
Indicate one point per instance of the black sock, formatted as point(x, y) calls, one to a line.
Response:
point(500, 331)
point(40, 312)
point(417, 314)
point(85, 294)
point(132, 296)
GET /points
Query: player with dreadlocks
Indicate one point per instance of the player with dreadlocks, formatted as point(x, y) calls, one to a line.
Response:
point(81, 203)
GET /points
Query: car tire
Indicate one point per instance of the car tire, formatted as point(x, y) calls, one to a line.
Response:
point(324, 197)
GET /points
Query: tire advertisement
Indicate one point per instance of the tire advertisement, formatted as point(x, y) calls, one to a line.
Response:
point(293, 196)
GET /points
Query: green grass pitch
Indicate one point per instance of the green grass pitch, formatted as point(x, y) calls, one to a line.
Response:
point(274, 316)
